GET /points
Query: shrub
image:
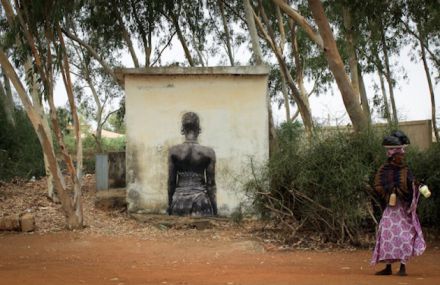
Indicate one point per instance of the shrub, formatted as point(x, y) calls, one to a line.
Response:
point(90, 148)
point(20, 151)
point(426, 168)
point(322, 184)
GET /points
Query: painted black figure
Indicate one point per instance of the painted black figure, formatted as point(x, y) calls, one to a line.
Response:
point(191, 176)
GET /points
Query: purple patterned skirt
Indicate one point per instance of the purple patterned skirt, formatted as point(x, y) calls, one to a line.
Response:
point(399, 235)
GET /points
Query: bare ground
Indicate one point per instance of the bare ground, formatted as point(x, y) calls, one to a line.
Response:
point(114, 249)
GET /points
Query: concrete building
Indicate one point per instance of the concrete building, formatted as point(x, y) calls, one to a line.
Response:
point(232, 103)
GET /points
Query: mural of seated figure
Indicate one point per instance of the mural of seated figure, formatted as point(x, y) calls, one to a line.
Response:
point(191, 176)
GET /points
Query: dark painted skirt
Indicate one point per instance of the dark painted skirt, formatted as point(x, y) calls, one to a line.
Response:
point(191, 201)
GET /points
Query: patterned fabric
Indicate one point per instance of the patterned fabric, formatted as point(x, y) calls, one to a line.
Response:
point(399, 235)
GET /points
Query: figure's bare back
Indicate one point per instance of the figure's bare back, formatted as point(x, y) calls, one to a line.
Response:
point(188, 156)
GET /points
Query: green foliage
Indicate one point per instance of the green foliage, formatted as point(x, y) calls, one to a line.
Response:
point(20, 150)
point(90, 148)
point(116, 121)
point(426, 168)
point(64, 119)
point(322, 184)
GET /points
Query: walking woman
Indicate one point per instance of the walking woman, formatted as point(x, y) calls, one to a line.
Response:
point(399, 235)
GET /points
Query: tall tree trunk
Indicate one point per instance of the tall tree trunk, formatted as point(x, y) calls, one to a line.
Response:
point(385, 97)
point(127, 38)
point(98, 116)
point(354, 110)
point(99, 106)
point(72, 220)
point(149, 48)
point(285, 96)
point(38, 106)
point(6, 98)
point(270, 38)
point(299, 66)
point(65, 72)
point(352, 58)
point(363, 91)
point(388, 76)
point(142, 32)
point(182, 40)
point(301, 21)
point(433, 56)
point(281, 28)
point(199, 53)
point(281, 47)
point(226, 29)
point(431, 89)
point(52, 177)
point(258, 55)
point(107, 68)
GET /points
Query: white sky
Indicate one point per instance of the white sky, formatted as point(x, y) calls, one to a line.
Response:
point(411, 95)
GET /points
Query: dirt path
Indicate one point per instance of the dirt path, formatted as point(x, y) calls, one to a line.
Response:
point(200, 258)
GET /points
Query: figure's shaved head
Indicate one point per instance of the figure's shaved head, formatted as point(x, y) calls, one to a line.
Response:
point(190, 123)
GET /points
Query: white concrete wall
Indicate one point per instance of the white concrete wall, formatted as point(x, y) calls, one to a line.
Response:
point(234, 121)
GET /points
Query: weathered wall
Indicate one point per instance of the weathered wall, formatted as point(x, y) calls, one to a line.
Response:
point(110, 170)
point(233, 116)
point(419, 132)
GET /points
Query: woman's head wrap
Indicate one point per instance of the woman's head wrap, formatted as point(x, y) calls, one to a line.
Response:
point(395, 150)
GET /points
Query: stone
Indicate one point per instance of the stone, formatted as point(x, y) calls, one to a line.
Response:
point(27, 222)
point(111, 199)
point(10, 223)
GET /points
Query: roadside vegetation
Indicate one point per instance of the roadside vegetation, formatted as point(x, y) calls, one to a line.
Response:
point(324, 184)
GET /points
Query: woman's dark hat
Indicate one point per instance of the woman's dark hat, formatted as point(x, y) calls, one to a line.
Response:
point(396, 139)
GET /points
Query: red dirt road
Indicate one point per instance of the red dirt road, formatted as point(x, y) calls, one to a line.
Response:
point(78, 258)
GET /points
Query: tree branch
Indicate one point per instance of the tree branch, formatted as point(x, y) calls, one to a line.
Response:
point(165, 46)
point(300, 20)
point(92, 51)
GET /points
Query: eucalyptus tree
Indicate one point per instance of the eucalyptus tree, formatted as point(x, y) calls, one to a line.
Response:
point(100, 31)
point(10, 39)
point(269, 22)
point(258, 58)
point(325, 39)
point(108, 28)
point(6, 98)
point(348, 18)
point(386, 40)
point(95, 91)
point(424, 15)
point(172, 11)
point(34, 33)
point(218, 14)
point(228, 29)
point(422, 21)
